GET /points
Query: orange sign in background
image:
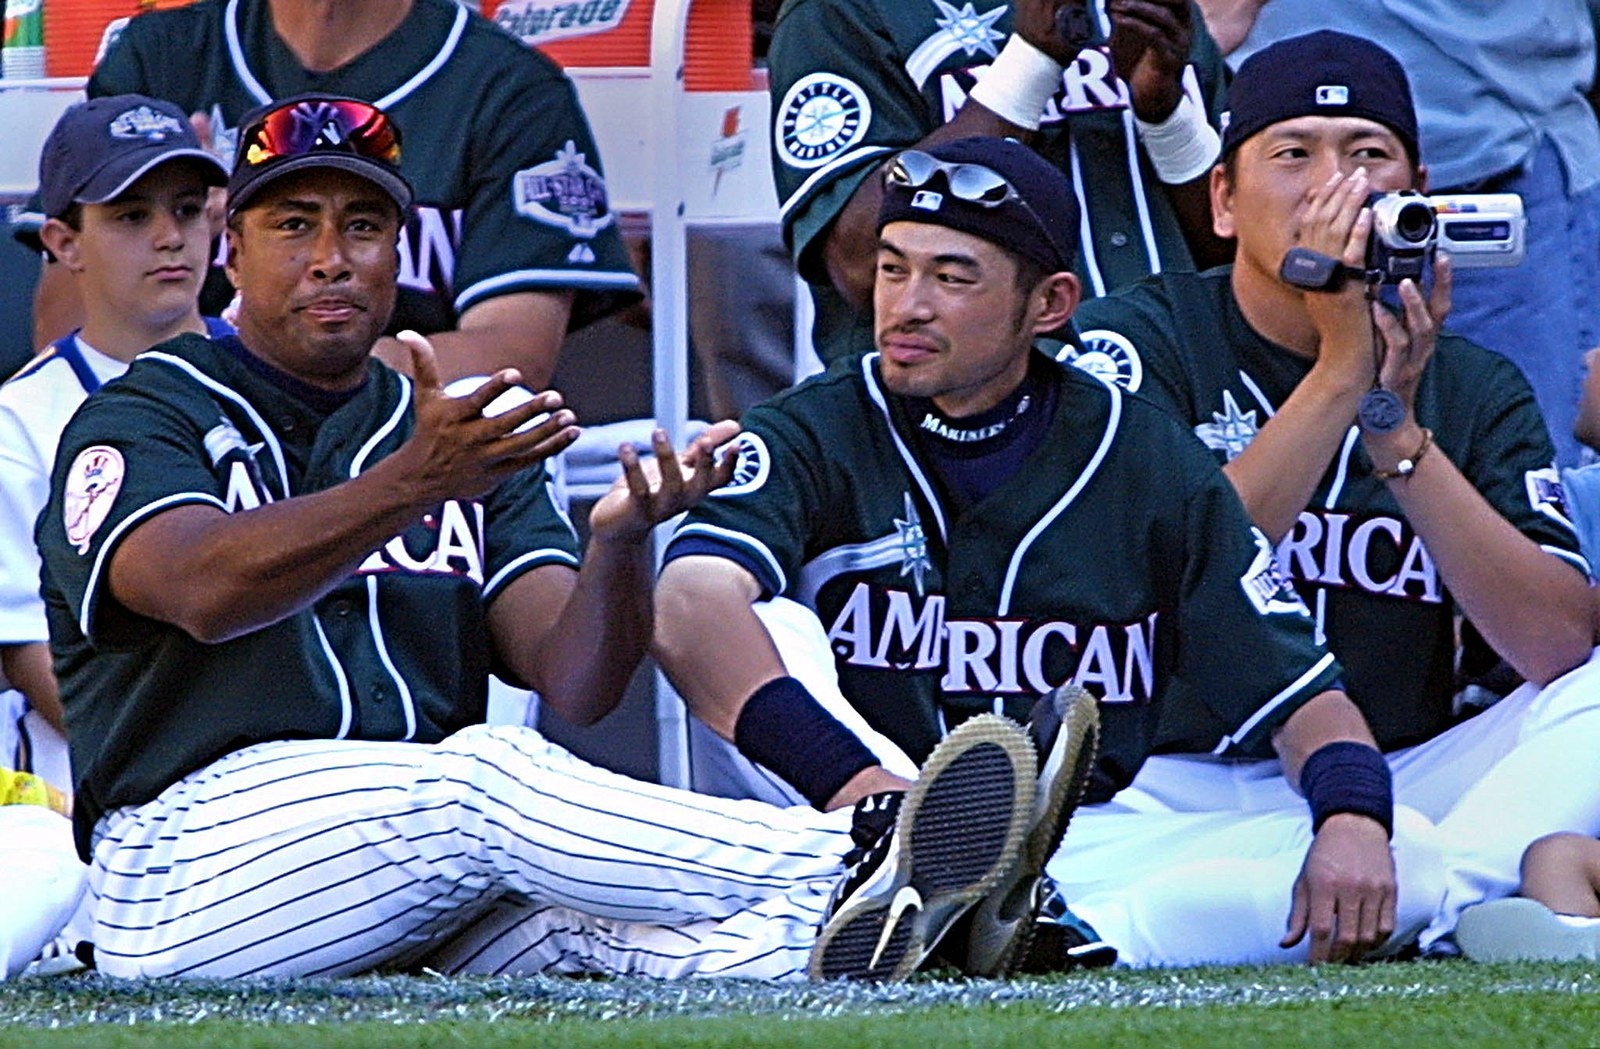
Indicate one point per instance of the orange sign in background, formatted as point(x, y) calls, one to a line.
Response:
point(73, 28)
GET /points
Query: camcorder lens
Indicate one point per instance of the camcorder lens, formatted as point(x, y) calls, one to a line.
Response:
point(1414, 222)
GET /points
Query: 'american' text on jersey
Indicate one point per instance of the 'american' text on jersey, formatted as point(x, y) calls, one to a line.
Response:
point(998, 656)
point(1379, 554)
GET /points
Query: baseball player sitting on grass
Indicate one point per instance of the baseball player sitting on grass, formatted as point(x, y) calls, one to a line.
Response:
point(278, 574)
point(123, 183)
point(975, 525)
point(1404, 473)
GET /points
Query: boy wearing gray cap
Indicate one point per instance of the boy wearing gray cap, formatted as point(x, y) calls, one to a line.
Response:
point(1404, 473)
point(123, 181)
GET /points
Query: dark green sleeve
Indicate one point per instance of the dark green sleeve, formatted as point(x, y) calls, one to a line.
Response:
point(1247, 649)
point(1511, 460)
point(122, 69)
point(525, 529)
point(1127, 338)
point(841, 103)
point(122, 459)
point(763, 518)
point(538, 214)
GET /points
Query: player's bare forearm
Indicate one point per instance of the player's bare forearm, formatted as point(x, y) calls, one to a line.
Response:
point(1532, 608)
point(523, 330)
point(582, 661)
point(1330, 717)
point(577, 637)
point(850, 247)
point(1279, 470)
point(218, 575)
point(709, 640)
point(27, 669)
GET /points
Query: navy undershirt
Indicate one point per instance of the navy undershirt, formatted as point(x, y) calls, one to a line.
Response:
point(972, 456)
point(323, 402)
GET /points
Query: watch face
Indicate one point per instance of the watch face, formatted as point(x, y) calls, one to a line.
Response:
point(1381, 411)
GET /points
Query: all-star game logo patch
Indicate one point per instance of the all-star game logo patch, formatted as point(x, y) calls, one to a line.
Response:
point(565, 192)
point(1265, 584)
point(822, 116)
point(93, 481)
point(1547, 495)
point(1109, 357)
point(144, 122)
point(753, 468)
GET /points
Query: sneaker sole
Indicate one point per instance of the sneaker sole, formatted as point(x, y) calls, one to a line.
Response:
point(959, 832)
point(1003, 924)
point(1517, 929)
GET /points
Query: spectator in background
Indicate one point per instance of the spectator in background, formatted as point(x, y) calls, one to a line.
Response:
point(123, 181)
point(1128, 117)
point(1501, 98)
point(512, 241)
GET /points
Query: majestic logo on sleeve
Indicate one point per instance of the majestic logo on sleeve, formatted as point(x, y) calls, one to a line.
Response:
point(887, 629)
point(1547, 495)
point(1109, 357)
point(753, 467)
point(1230, 431)
point(821, 116)
point(565, 192)
point(93, 481)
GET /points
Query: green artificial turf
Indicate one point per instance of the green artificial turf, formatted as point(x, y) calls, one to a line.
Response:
point(1431, 1004)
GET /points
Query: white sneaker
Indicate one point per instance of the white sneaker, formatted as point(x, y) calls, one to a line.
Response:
point(1519, 929)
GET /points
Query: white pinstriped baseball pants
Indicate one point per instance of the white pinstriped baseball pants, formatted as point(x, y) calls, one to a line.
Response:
point(337, 857)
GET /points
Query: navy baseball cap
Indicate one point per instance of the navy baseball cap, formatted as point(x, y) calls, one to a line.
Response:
point(101, 147)
point(993, 188)
point(316, 131)
point(1327, 73)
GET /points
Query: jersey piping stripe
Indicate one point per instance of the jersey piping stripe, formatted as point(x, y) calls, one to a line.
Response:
point(747, 542)
point(216, 387)
point(1255, 391)
point(1091, 262)
point(1575, 559)
point(1135, 174)
point(850, 159)
point(379, 642)
point(525, 563)
point(546, 279)
point(1317, 669)
point(876, 393)
point(1113, 422)
point(42, 358)
point(856, 557)
point(1337, 488)
point(241, 65)
point(90, 591)
point(427, 71)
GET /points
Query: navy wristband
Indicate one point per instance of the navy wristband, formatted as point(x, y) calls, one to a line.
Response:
point(1348, 777)
point(783, 727)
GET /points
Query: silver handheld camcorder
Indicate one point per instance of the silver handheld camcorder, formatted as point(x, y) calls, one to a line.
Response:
point(1476, 229)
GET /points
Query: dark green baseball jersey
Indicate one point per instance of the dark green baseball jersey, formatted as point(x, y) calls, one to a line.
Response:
point(1117, 557)
point(399, 651)
point(509, 188)
point(853, 81)
point(1181, 340)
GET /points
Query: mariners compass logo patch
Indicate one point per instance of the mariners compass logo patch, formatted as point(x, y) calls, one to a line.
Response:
point(822, 116)
point(1109, 357)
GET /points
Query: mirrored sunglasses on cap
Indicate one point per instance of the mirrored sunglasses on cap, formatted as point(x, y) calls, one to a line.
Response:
point(321, 126)
point(972, 183)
